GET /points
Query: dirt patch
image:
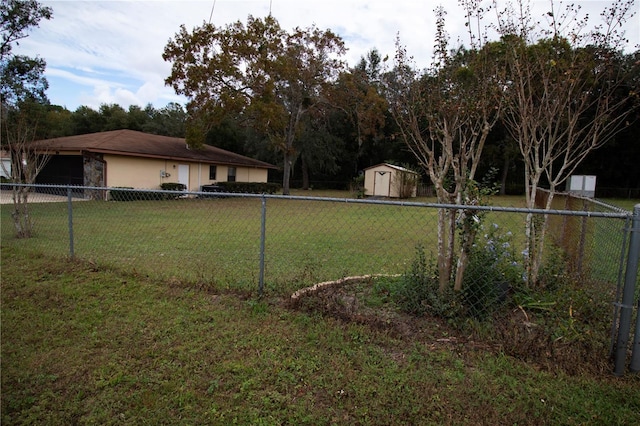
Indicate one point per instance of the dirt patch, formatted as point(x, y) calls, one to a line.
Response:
point(515, 333)
point(354, 299)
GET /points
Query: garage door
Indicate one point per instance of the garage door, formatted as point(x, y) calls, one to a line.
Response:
point(62, 170)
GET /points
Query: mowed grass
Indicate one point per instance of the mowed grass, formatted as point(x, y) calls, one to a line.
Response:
point(84, 344)
point(215, 243)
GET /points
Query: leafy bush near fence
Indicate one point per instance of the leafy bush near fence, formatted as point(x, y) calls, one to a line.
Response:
point(250, 187)
point(126, 193)
point(417, 291)
point(130, 194)
point(173, 186)
point(556, 322)
point(492, 274)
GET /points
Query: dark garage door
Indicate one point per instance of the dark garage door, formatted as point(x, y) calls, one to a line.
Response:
point(62, 170)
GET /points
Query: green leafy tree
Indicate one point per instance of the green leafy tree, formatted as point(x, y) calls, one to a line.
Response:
point(114, 117)
point(320, 147)
point(86, 120)
point(358, 94)
point(270, 77)
point(137, 118)
point(168, 121)
point(58, 122)
point(23, 103)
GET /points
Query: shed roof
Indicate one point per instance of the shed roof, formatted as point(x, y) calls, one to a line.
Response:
point(139, 144)
point(392, 166)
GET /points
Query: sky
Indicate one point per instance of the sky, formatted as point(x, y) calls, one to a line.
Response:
point(110, 52)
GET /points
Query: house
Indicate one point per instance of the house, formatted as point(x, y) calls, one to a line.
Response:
point(128, 158)
point(387, 180)
point(5, 164)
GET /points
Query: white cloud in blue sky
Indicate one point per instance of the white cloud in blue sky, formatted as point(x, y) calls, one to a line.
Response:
point(111, 51)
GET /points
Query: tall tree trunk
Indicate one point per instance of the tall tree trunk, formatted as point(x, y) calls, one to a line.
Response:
point(541, 234)
point(286, 170)
point(443, 272)
point(20, 213)
point(531, 191)
point(467, 239)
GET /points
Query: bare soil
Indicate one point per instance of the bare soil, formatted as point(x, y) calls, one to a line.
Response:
point(516, 333)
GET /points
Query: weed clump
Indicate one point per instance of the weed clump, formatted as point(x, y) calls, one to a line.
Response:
point(417, 291)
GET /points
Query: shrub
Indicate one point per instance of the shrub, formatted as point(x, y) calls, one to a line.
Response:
point(129, 194)
point(173, 186)
point(357, 186)
point(492, 273)
point(250, 187)
point(418, 292)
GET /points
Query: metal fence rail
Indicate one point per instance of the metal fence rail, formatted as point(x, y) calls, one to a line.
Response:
point(280, 244)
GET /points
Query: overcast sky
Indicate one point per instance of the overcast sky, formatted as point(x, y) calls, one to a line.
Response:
point(111, 51)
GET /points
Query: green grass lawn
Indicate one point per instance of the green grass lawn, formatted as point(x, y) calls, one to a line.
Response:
point(86, 344)
point(216, 242)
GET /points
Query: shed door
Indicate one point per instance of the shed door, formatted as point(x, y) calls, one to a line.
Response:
point(382, 183)
point(183, 175)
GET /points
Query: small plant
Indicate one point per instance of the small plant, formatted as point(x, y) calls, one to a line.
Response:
point(418, 290)
point(173, 186)
point(357, 187)
point(130, 194)
point(250, 187)
point(407, 181)
point(492, 273)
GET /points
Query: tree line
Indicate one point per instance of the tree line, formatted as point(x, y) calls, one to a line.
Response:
point(323, 127)
point(57, 121)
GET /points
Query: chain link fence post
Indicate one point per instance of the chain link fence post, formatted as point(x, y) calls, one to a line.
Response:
point(70, 217)
point(263, 227)
point(634, 367)
point(628, 294)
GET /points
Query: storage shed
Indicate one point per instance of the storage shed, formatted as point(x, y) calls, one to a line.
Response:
point(387, 180)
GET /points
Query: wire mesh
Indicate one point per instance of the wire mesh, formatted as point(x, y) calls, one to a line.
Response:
point(214, 240)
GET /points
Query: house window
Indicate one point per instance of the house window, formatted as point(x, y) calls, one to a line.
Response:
point(212, 172)
point(231, 174)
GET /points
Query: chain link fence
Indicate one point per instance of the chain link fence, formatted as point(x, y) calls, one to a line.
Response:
point(279, 245)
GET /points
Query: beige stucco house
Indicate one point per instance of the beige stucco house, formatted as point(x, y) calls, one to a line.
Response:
point(5, 164)
point(388, 180)
point(127, 158)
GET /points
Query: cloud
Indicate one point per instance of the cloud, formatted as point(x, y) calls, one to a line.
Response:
point(111, 51)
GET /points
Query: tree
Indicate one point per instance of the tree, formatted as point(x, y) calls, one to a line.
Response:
point(137, 118)
point(114, 117)
point(565, 97)
point(18, 17)
point(358, 94)
point(169, 120)
point(23, 103)
point(319, 146)
point(269, 77)
point(58, 122)
point(86, 120)
point(444, 115)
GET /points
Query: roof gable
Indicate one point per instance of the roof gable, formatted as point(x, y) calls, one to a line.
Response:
point(140, 144)
point(391, 166)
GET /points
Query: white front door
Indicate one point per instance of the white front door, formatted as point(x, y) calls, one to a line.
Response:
point(183, 175)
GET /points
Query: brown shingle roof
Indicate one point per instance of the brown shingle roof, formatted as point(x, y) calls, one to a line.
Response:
point(138, 144)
